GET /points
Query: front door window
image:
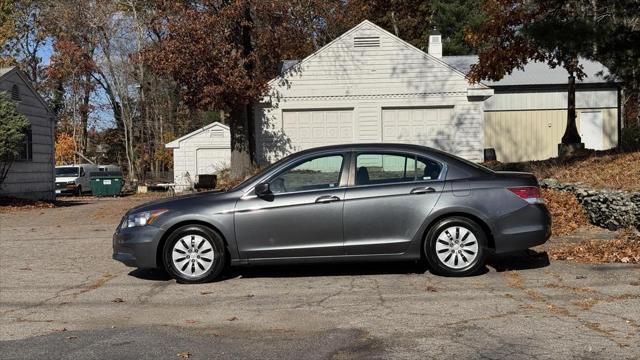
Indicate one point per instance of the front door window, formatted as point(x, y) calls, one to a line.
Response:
point(316, 174)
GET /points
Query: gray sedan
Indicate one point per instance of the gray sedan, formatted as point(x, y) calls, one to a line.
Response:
point(364, 202)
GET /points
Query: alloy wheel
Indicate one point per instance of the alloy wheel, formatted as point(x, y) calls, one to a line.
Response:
point(457, 247)
point(192, 255)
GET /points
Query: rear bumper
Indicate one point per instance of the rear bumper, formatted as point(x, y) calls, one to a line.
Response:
point(522, 229)
point(137, 247)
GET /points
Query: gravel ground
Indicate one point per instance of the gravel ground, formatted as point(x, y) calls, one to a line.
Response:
point(61, 296)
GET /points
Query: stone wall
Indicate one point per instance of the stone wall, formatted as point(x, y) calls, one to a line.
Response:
point(611, 209)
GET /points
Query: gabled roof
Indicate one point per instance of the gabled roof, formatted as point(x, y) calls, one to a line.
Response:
point(4, 72)
point(535, 73)
point(288, 65)
point(175, 144)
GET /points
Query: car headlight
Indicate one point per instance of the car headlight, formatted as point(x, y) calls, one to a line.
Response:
point(142, 218)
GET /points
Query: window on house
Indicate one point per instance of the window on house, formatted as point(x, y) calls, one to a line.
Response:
point(26, 152)
point(15, 93)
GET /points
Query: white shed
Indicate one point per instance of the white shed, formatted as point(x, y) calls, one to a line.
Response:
point(204, 151)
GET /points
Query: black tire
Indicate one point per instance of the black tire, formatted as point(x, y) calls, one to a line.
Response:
point(200, 232)
point(79, 190)
point(437, 252)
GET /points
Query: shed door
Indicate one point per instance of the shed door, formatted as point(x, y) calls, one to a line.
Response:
point(432, 126)
point(210, 161)
point(591, 129)
point(312, 128)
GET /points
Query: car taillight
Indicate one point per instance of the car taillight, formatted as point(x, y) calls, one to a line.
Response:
point(530, 194)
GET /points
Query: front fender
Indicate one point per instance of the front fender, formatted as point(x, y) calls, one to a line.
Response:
point(222, 222)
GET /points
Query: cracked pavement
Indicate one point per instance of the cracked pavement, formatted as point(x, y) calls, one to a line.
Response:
point(61, 296)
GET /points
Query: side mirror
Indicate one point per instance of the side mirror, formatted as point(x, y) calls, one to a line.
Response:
point(262, 189)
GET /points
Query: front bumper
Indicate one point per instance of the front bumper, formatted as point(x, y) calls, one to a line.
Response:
point(523, 229)
point(137, 246)
point(64, 188)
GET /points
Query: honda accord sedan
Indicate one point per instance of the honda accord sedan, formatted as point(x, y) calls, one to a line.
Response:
point(364, 202)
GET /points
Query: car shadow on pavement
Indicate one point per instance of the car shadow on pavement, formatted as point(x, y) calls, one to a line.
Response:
point(150, 274)
point(521, 260)
point(312, 270)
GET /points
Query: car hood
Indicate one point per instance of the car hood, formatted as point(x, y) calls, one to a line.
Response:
point(65, 178)
point(177, 201)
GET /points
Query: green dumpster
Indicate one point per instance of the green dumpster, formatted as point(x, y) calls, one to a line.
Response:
point(106, 183)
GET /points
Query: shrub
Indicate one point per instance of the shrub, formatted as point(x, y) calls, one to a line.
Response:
point(630, 139)
point(13, 128)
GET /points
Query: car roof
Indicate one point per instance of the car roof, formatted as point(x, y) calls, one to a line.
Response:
point(74, 165)
point(369, 146)
point(459, 167)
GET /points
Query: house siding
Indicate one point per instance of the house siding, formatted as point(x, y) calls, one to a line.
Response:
point(33, 179)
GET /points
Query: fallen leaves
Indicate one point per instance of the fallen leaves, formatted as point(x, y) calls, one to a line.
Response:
point(117, 300)
point(566, 212)
point(601, 170)
point(233, 318)
point(191, 321)
point(206, 292)
point(9, 204)
point(184, 355)
point(624, 249)
point(431, 289)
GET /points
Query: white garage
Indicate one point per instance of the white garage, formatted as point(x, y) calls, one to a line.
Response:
point(202, 152)
point(369, 86)
point(431, 127)
point(313, 128)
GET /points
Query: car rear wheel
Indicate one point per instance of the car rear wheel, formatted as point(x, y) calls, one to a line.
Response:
point(194, 254)
point(455, 246)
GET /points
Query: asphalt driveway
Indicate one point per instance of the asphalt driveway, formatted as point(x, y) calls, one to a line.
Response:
point(61, 296)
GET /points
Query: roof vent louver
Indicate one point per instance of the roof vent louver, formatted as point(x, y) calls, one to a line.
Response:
point(15, 93)
point(216, 133)
point(366, 41)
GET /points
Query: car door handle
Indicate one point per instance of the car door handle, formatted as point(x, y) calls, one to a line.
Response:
point(327, 199)
point(422, 190)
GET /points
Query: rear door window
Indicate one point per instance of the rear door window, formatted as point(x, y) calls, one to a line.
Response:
point(372, 169)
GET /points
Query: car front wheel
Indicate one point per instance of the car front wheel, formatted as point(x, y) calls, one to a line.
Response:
point(194, 254)
point(455, 246)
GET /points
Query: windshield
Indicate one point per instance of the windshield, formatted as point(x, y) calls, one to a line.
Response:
point(67, 171)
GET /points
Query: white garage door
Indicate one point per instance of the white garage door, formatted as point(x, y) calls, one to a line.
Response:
point(312, 128)
point(431, 127)
point(211, 160)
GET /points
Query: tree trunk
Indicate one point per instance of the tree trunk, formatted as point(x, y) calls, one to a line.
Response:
point(241, 117)
point(571, 135)
point(242, 152)
point(84, 115)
